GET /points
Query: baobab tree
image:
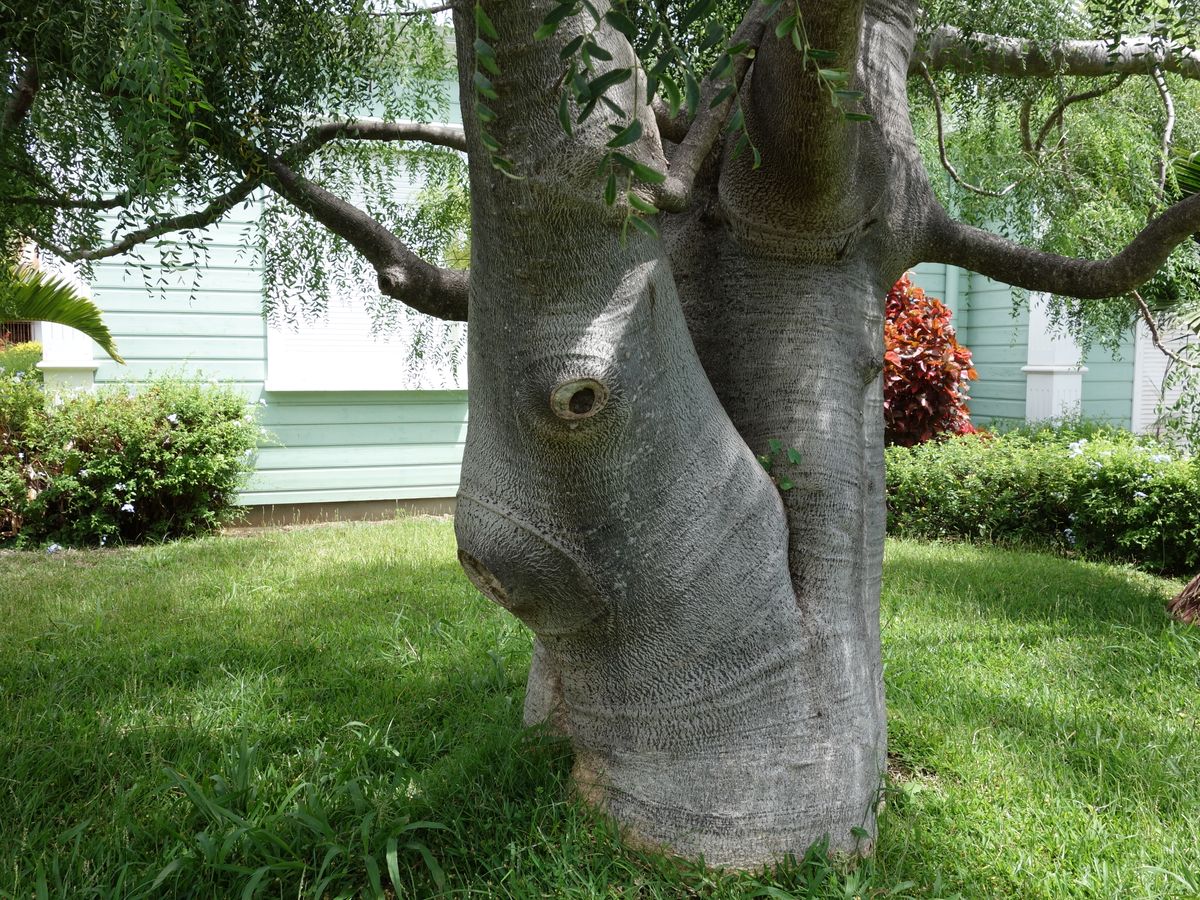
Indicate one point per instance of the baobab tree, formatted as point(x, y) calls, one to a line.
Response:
point(684, 220)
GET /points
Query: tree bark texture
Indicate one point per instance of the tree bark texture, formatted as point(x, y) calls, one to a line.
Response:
point(709, 644)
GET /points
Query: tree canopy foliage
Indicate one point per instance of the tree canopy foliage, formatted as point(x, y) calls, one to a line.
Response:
point(129, 124)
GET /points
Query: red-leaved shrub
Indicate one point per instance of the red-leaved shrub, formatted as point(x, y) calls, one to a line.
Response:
point(926, 371)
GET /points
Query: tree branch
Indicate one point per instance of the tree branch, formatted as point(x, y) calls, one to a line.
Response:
point(21, 100)
point(1056, 116)
point(1168, 135)
point(365, 129)
point(676, 192)
point(437, 292)
point(959, 244)
point(1156, 336)
point(450, 136)
point(201, 218)
point(952, 48)
point(941, 134)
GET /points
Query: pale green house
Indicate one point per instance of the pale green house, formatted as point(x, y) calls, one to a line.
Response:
point(354, 428)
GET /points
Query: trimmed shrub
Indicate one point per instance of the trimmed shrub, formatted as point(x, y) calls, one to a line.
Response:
point(122, 467)
point(1112, 495)
point(925, 370)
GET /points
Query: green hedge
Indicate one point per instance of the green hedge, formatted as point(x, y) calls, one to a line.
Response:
point(1096, 491)
point(119, 466)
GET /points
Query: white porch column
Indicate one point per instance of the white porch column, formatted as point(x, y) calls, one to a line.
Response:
point(1054, 369)
point(67, 362)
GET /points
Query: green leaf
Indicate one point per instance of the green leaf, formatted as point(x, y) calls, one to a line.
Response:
point(835, 76)
point(785, 26)
point(794, 456)
point(392, 856)
point(697, 11)
point(627, 135)
point(484, 112)
point(737, 121)
point(31, 294)
point(564, 112)
point(722, 95)
point(571, 47)
point(488, 141)
point(674, 97)
point(610, 189)
point(691, 89)
point(591, 48)
point(714, 33)
point(786, 484)
point(611, 78)
point(641, 205)
point(621, 22)
point(484, 86)
point(775, 446)
point(640, 171)
point(484, 24)
point(643, 226)
point(486, 56)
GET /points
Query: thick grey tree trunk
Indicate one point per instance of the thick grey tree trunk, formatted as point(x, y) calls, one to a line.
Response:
point(709, 645)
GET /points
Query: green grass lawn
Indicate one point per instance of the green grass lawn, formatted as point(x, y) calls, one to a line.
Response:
point(323, 711)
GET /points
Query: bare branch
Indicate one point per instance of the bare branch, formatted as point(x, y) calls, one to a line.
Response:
point(676, 192)
point(201, 218)
point(1168, 135)
point(952, 48)
point(941, 133)
point(959, 244)
point(21, 100)
point(1056, 117)
point(450, 136)
point(402, 274)
point(1156, 337)
point(425, 10)
point(365, 129)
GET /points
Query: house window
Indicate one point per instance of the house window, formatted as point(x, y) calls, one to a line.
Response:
point(342, 351)
point(1150, 367)
point(16, 332)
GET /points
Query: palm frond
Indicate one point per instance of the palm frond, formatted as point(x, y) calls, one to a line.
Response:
point(30, 294)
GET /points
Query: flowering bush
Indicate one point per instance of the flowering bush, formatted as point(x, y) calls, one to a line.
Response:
point(117, 466)
point(925, 370)
point(1111, 494)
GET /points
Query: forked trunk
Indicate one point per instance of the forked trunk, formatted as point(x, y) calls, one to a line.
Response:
point(709, 643)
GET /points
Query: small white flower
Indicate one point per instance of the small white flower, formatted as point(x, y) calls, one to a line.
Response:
point(20, 455)
point(126, 507)
point(1070, 536)
point(119, 486)
point(1147, 477)
point(248, 452)
point(103, 539)
point(1160, 458)
point(1139, 495)
point(1075, 448)
point(53, 548)
point(173, 418)
point(262, 401)
point(83, 473)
